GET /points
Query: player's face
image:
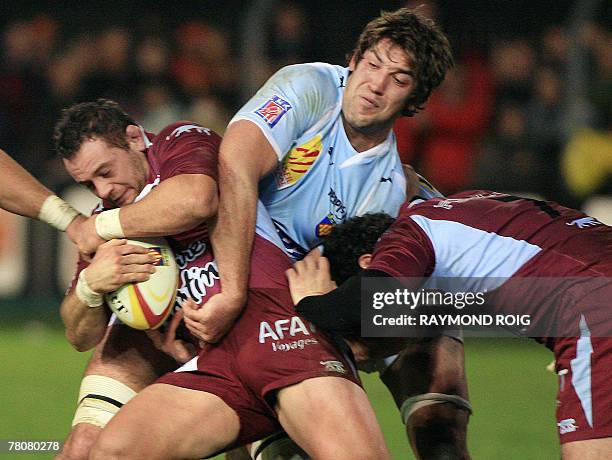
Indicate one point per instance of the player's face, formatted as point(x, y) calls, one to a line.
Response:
point(377, 89)
point(112, 173)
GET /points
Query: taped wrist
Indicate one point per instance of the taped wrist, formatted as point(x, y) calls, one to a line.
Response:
point(411, 405)
point(86, 294)
point(108, 225)
point(57, 213)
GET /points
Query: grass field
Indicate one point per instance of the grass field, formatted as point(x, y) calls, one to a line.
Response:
point(512, 394)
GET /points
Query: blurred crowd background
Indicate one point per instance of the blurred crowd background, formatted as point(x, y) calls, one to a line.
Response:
point(526, 109)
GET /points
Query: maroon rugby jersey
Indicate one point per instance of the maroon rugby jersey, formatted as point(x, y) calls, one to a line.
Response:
point(179, 148)
point(551, 253)
point(186, 148)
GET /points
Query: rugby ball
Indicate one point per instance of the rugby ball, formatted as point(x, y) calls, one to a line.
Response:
point(147, 304)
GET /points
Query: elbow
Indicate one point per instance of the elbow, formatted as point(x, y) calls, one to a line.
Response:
point(205, 207)
point(80, 344)
point(83, 340)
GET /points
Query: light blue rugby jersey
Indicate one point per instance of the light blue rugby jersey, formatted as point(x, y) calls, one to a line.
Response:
point(321, 180)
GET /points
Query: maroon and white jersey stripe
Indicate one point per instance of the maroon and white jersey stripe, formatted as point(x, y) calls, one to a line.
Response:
point(506, 246)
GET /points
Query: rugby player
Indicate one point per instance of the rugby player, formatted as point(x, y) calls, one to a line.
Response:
point(21, 194)
point(535, 258)
point(154, 186)
point(316, 144)
point(150, 186)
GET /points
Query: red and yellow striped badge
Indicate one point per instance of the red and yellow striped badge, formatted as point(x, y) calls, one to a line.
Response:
point(298, 162)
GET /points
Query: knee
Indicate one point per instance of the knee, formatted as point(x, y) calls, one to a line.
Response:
point(107, 448)
point(79, 443)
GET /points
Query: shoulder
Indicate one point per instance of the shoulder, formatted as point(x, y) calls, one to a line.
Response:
point(315, 75)
point(185, 129)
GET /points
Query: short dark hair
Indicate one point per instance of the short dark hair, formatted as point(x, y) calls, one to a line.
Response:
point(426, 45)
point(350, 240)
point(102, 119)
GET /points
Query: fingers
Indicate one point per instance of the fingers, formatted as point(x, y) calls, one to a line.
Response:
point(172, 327)
point(190, 306)
point(323, 264)
point(136, 249)
point(291, 274)
point(125, 278)
point(140, 259)
point(313, 262)
point(113, 243)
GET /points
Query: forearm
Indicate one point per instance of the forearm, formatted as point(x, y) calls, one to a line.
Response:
point(84, 326)
point(245, 157)
point(234, 230)
point(20, 193)
point(176, 205)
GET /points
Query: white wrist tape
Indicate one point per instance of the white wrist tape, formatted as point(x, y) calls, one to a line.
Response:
point(411, 405)
point(108, 225)
point(86, 294)
point(57, 213)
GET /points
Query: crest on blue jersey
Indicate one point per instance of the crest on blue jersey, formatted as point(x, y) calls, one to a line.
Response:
point(273, 110)
point(325, 227)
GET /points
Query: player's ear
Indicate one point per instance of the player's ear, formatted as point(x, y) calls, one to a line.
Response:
point(134, 137)
point(352, 63)
point(364, 260)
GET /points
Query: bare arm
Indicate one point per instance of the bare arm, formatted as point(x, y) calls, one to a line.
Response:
point(115, 264)
point(84, 327)
point(245, 157)
point(177, 204)
point(20, 193)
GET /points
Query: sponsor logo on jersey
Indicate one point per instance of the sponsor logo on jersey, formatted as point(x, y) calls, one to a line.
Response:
point(337, 215)
point(196, 282)
point(273, 110)
point(567, 425)
point(339, 210)
point(334, 366)
point(444, 204)
point(190, 253)
point(298, 162)
point(585, 222)
point(325, 227)
point(187, 129)
point(283, 331)
point(282, 327)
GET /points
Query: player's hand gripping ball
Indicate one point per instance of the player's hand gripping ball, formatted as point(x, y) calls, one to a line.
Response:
point(147, 304)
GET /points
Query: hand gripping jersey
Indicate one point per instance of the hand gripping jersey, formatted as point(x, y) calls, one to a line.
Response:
point(321, 180)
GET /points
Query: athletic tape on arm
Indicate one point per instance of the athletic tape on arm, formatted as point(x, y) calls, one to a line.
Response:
point(108, 225)
point(57, 213)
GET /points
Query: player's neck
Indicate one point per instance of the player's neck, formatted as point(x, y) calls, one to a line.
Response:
point(363, 140)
